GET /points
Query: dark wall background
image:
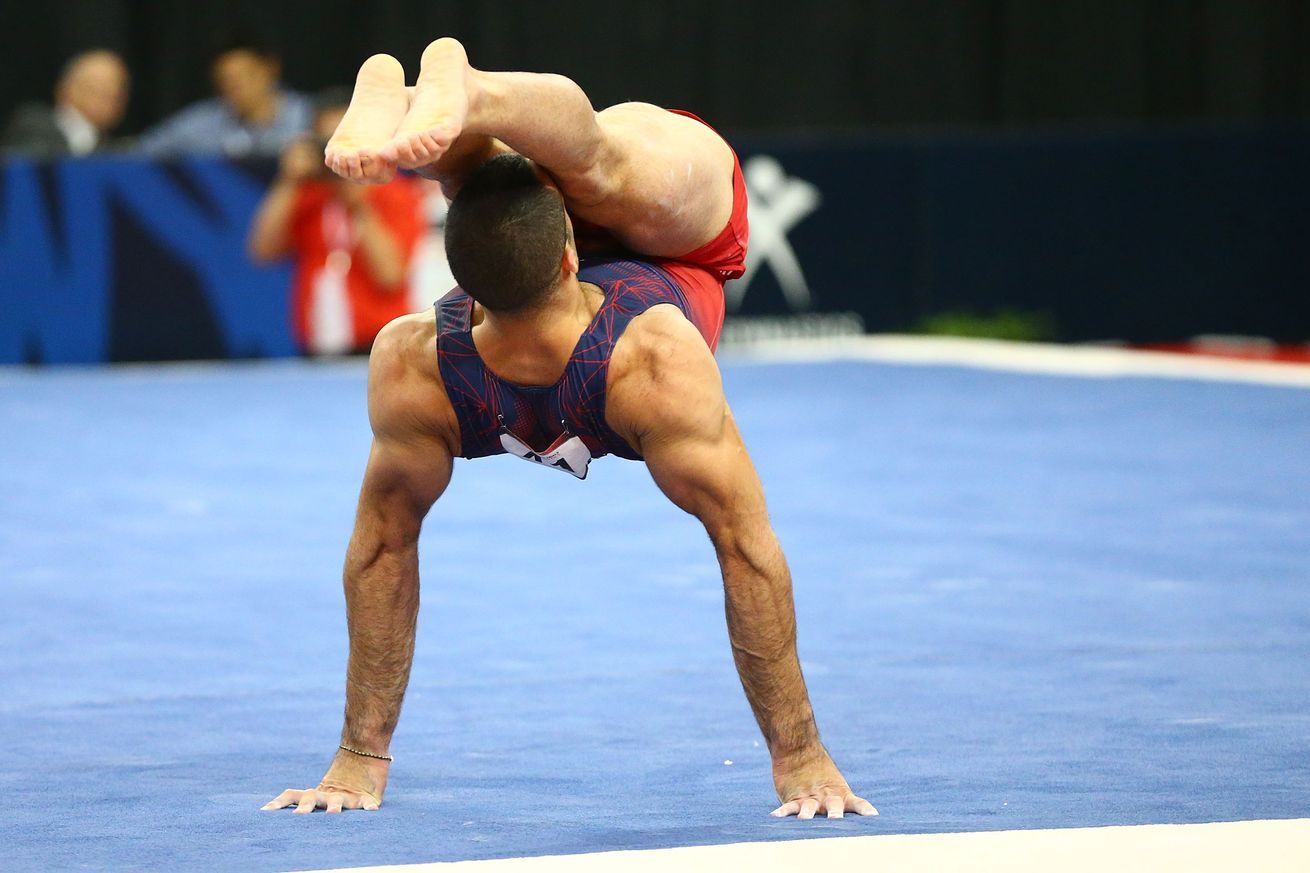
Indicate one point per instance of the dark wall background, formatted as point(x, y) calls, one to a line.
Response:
point(748, 66)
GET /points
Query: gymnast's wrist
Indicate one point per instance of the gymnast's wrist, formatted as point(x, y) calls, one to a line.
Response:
point(373, 748)
point(367, 755)
point(796, 749)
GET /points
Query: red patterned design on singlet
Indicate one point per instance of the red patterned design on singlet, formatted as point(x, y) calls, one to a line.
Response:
point(539, 414)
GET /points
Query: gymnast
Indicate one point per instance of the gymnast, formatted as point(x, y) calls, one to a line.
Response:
point(558, 359)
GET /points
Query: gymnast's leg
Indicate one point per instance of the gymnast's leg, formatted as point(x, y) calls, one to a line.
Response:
point(660, 182)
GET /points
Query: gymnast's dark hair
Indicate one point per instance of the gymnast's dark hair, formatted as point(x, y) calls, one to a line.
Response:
point(505, 235)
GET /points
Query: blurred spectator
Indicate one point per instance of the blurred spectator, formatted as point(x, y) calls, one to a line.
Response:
point(252, 114)
point(90, 97)
point(352, 244)
point(429, 270)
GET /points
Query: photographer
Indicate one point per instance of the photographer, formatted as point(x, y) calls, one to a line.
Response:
point(351, 244)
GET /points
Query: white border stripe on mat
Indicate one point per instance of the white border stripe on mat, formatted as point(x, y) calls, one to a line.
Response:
point(1059, 360)
point(1041, 358)
point(1248, 847)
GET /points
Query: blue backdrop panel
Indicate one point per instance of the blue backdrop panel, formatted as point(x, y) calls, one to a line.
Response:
point(110, 259)
point(1023, 602)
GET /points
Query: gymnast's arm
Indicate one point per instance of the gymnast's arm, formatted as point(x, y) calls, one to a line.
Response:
point(409, 467)
point(667, 400)
point(466, 154)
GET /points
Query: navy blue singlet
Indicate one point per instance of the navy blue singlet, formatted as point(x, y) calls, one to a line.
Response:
point(496, 415)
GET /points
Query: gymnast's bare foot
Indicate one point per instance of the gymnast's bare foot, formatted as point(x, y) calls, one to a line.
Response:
point(438, 108)
point(376, 108)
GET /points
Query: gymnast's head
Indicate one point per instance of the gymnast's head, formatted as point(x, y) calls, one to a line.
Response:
point(508, 237)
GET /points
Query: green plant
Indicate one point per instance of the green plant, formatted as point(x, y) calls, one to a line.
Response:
point(1006, 324)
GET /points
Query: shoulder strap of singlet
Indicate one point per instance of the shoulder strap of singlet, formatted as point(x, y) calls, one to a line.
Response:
point(631, 287)
point(465, 377)
point(454, 312)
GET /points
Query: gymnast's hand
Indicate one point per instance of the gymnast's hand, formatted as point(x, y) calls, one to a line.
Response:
point(809, 781)
point(350, 783)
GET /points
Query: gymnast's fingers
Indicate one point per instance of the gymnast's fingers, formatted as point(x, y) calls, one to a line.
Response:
point(286, 798)
point(308, 801)
point(860, 805)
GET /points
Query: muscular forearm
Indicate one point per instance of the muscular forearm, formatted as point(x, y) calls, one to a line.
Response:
point(762, 629)
point(382, 596)
point(466, 154)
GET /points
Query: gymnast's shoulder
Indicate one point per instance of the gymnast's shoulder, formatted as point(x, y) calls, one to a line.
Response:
point(404, 380)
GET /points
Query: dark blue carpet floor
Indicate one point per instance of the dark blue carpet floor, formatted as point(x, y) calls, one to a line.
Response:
point(1024, 601)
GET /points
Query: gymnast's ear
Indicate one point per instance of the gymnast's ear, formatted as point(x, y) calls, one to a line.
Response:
point(569, 264)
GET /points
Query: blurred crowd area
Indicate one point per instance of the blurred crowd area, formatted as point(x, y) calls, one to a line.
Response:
point(251, 111)
point(1083, 171)
point(362, 255)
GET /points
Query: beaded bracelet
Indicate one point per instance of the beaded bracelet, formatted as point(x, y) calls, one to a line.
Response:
point(366, 754)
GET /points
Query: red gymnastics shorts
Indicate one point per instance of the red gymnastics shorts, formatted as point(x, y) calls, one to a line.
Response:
point(701, 274)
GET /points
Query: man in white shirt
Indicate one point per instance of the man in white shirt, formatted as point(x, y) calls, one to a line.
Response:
point(90, 98)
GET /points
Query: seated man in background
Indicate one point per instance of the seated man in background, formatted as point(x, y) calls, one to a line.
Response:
point(252, 114)
point(352, 245)
point(90, 98)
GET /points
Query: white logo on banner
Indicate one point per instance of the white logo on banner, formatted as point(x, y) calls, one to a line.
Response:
point(777, 204)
